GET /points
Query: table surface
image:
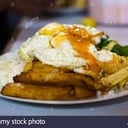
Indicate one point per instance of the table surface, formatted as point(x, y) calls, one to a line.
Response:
point(112, 107)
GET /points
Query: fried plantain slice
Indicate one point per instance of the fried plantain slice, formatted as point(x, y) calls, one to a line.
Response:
point(35, 77)
point(37, 73)
point(37, 66)
point(51, 92)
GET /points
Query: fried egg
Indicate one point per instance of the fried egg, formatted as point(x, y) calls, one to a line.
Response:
point(67, 46)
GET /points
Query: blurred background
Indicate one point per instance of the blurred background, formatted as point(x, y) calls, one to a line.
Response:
point(93, 12)
point(12, 12)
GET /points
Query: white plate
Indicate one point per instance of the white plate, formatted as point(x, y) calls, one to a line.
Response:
point(83, 101)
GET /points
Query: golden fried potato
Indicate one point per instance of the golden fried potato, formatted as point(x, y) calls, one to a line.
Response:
point(51, 92)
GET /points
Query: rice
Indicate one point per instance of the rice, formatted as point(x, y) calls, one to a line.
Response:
point(10, 66)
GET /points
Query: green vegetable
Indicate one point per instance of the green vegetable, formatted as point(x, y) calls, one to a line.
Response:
point(120, 50)
point(112, 46)
point(104, 42)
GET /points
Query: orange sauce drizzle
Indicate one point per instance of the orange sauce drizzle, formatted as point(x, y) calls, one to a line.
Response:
point(81, 40)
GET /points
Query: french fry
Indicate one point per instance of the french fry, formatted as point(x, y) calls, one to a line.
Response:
point(115, 78)
point(116, 64)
